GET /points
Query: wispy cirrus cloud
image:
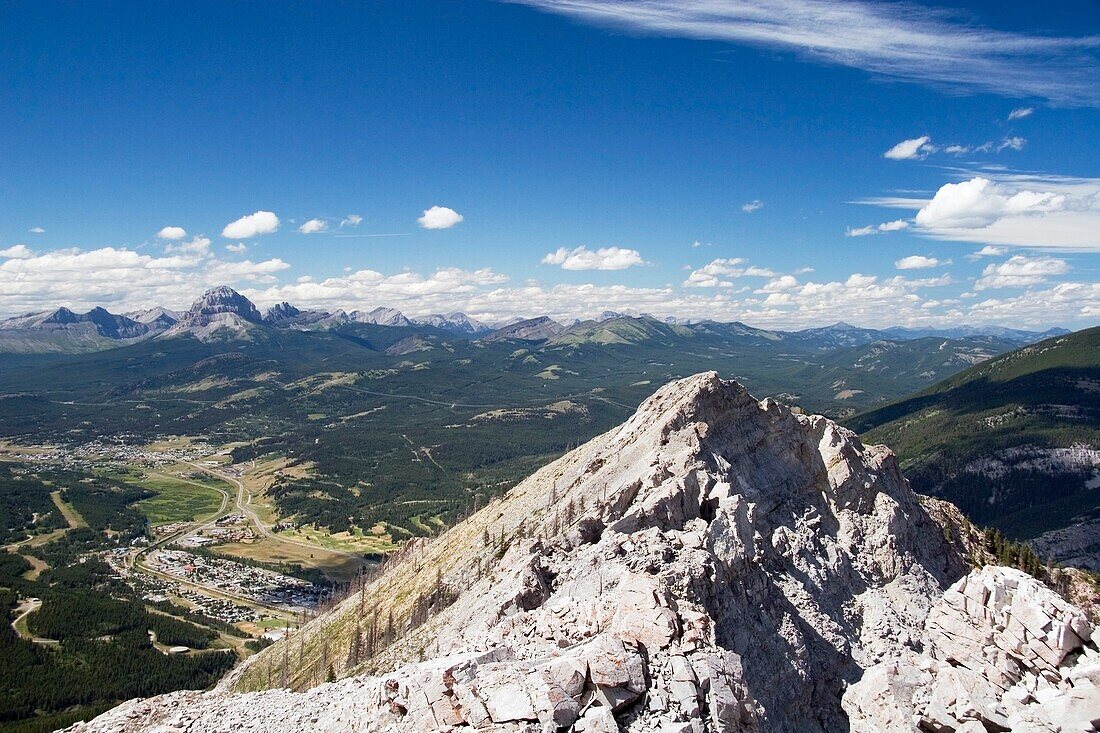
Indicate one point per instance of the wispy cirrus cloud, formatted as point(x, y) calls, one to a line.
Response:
point(899, 40)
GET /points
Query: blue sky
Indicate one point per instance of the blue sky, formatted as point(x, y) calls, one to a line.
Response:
point(570, 136)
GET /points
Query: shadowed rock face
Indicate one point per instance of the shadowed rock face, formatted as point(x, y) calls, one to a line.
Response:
point(714, 564)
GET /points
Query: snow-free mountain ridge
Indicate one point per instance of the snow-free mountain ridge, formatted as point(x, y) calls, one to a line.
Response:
point(714, 563)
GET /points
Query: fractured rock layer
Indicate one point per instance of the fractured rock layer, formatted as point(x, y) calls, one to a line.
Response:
point(714, 564)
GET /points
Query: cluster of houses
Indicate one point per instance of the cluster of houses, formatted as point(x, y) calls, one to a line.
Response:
point(259, 585)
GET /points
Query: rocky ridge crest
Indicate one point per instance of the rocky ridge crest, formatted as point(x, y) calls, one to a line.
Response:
point(714, 564)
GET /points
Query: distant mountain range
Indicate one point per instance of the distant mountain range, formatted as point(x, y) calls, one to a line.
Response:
point(1011, 438)
point(223, 313)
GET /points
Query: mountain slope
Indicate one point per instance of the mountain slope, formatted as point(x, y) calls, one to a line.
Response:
point(1012, 441)
point(713, 564)
point(63, 331)
point(532, 329)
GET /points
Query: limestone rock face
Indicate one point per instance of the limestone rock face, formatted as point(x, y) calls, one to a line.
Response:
point(714, 564)
point(1003, 652)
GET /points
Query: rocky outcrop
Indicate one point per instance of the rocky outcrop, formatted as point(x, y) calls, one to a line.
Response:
point(457, 324)
point(380, 316)
point(532, 329)
point(714, 564)
point(221, 313)
point(1002, 652)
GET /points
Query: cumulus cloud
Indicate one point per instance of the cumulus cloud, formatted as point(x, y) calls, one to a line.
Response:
point(171, 233)
point(120, 278)
point(604, 258)
point(887, 226)
point(1020, 271)
point(979, 202)
point(999, 207)
point(893, 226)
point(236, 247)
point(36, 230)
point(752, 206)
point(313, 226)
point(917, 262)
point(719, 273)
point(915, 148)
point(351, 220)
point(439, 217)
point(1038, 308)
point(1020, 113)
point(16, 252)
point(252, 225)
point(123, 279)
point(987, 251)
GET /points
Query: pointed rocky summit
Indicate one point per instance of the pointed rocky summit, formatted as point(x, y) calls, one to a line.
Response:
point(714, 564)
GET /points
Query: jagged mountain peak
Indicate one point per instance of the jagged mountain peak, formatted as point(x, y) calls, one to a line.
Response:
point(716, 563)
point(220, 313)
point(456, 323)
point(281, 312)
point(224, 299)
point(380, 316)
point(541, 328)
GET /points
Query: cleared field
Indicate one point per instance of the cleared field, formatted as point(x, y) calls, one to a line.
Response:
point(336, 566)
point(354, 541)
point(178, 499)
point(71, 515)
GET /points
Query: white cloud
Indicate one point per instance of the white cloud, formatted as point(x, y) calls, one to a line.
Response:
point(313, 226)
point(893, 226)
point(604, 258)
point(172, 233)
point(752, 206)
point(263, 272)
point(712, 275)
point(979, 202)
point(120, 278)
point(1003, 208)
point(123, 279)
point(236, 247)
point(892, 202)
point(899, 40)
point(197, 249)
point(917, 262)
point(36, 230)
point(915, 148)
point(987, 251)
point(351, 220)
point(1008, 143)
point(1020, 271)
point(439, 217)
point(253, 225)
point(16, 252)
point(1020, 113)
point(887, 226)
point(1035, 308)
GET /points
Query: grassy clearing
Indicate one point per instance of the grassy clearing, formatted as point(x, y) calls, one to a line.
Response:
point(177, 499)
point(72, 516)
point(337, 566)
point(354, 541)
